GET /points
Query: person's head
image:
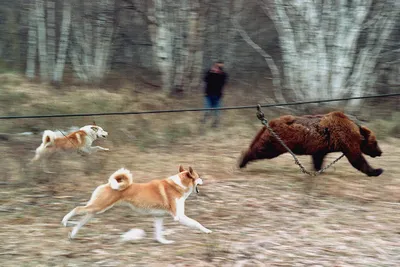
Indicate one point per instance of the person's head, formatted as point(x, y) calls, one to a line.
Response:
point(219, 64)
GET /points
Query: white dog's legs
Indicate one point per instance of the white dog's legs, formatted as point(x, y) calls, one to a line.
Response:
point(38, 154)
point(81, 223)
point(183, 219)
point(41, 156)
point(66, 218)
point(35, 158)
point(45, 168)
point(158, 225)
point(101, 148)
point(92, 149)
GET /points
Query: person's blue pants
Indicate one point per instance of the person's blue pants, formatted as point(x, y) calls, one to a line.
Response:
point(212, 102)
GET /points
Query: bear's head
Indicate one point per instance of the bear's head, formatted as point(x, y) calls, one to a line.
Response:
point(369, 145)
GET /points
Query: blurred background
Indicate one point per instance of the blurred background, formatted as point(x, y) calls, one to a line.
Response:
point(64, 57)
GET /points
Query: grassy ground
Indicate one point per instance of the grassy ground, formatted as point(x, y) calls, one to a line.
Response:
point(268, 214)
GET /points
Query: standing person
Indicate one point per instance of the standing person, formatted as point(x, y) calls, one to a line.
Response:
point(215, 80)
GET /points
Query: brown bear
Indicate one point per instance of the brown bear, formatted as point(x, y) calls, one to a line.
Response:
point(316, 135)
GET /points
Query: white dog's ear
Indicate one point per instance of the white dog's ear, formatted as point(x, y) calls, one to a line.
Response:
point(181, 169)
point(94, 129)
point(94, 123)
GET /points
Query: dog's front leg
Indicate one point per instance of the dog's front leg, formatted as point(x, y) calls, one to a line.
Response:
point(193, 223)
point(183, 219)
point(97, 148)
point(66, 218)
point(87, 150)
point(94, 149)
point(158, 225)
point(102, 148)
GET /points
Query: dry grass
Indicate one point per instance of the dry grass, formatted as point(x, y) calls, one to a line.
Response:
point(268, 214)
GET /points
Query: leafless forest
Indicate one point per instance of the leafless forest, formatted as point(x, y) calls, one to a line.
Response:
point(72, 56)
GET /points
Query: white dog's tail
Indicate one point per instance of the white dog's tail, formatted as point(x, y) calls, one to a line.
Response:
point(120, 179)
point(48, 138)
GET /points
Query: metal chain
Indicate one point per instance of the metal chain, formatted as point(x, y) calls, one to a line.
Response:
point(77, 148)
point(260, 116)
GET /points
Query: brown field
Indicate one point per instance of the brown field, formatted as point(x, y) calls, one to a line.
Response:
point(268, 214)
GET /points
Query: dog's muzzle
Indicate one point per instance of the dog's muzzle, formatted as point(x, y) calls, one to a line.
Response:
point(199, 181)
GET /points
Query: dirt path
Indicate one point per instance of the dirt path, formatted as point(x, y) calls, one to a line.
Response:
point(268, 214)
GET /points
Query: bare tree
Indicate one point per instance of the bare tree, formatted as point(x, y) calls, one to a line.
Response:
point(92, 33)
point(42, 39)
point(51, 34)
point(176, 30)
point(331, 48)
point(32, 42)
point(276, 79)
point(42, 42)
point(63, 42)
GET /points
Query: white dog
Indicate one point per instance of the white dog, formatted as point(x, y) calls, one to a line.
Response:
point(80, 141)
point(157, 197)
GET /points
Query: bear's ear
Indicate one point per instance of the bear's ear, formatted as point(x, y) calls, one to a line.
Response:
point(365, 133)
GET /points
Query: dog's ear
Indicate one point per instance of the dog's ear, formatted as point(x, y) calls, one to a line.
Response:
point(365, 133)
point(94, 123)
point(191, 172)
point(94, 129)
point(181, 169)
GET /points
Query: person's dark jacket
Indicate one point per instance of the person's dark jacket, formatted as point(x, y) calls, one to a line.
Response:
point(215, 81)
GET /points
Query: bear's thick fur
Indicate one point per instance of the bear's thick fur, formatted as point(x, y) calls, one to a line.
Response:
point(316, 135)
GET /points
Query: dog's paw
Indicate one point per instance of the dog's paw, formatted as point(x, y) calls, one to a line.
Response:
point(106, 149)
point(72, 234)
point(165, 241)
point(70, 237)
point(207, 231)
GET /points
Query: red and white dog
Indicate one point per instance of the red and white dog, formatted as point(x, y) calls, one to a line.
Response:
point(157, 197)
point(80, 141)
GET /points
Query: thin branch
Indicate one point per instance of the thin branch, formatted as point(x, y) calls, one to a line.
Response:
point(131, 6)
point(276, 81)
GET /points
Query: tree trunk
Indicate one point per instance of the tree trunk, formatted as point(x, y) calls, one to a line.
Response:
point(42, 44)
point(163, 44)
point(32, 43)
point(92, 33)
point(63, 43)
point(181, 46)
point(51, 36)
point(231, 8)
point(364, 76)
point(320, 43)
point(276, 79)
point(196, 44)
point(177, 37)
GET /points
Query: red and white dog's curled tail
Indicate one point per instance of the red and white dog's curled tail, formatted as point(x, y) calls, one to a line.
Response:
point(48, 138)
point(121, 179)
